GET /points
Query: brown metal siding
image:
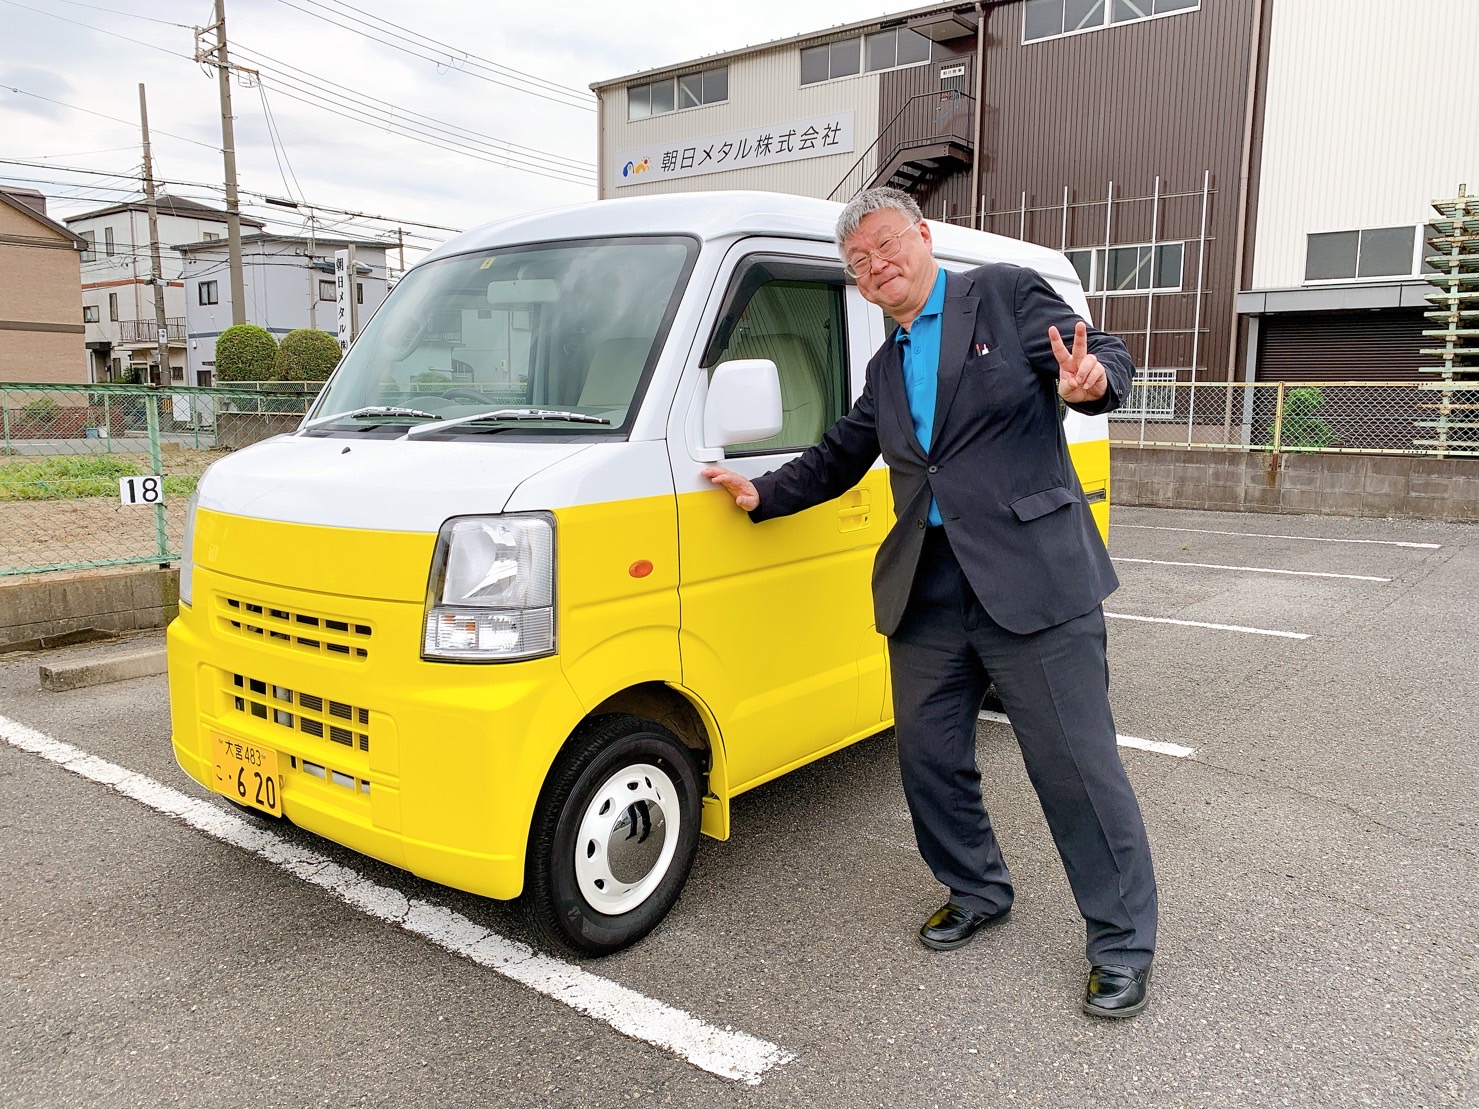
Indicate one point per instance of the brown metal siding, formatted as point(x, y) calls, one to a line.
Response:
point(951, 198)
point(1125, 104)
point(1342, 346)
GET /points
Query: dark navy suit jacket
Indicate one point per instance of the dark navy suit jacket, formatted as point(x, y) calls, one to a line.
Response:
point(998, 463)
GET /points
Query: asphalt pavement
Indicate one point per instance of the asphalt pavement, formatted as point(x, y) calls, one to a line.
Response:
point(1307, 690)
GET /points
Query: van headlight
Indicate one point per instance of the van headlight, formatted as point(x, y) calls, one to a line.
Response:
point(187, 552)
point(491, 596)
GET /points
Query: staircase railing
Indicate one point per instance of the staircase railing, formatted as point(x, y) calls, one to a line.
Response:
point(958, 115)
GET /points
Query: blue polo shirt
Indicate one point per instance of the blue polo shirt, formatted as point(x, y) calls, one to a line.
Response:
point(920, 346)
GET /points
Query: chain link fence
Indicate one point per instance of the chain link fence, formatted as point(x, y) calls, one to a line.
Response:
point(1420, 418)
point(99, 475)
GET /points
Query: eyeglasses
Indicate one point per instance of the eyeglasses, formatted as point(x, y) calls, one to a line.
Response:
point(860, 264)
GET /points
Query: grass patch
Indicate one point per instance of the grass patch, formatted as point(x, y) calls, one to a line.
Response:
point(63, 478)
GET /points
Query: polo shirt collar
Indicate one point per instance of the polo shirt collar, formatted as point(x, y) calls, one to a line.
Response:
point(932, 307)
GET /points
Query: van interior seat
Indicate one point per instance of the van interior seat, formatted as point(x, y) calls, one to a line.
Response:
point(803, 385)
point(616, 366)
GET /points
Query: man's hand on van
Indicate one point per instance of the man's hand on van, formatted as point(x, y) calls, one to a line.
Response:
point(736, 485)
point(1080, 376)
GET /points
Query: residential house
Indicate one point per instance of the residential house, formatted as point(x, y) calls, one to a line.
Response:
point(288, 282)
point(40, 333)
point(118, 290)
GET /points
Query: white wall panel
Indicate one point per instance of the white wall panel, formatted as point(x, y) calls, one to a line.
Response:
point(764, 88)
point(1370, 115)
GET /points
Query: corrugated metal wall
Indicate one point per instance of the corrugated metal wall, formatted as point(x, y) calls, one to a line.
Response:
point(1371, 114)
point(764, 88)
point(1125, 104)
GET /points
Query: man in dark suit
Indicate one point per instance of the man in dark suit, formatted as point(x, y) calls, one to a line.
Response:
point(993, 570)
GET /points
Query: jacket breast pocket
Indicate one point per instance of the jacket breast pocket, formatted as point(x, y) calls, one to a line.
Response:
point(983, 364)
point(1036, 505)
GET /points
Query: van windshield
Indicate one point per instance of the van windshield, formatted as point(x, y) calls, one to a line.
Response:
point(552, 338)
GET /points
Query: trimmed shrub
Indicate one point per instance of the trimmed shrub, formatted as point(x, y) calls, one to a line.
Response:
point(245, 352)
point(306, 355)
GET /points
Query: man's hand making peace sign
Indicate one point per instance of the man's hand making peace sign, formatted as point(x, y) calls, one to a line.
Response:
point(1080, 376)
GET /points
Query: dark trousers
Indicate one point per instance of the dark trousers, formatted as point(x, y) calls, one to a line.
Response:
point(1054, 686)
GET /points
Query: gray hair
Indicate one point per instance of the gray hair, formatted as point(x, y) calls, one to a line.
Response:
point(882, 199)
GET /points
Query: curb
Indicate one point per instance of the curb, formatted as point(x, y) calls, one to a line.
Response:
point(119, 668)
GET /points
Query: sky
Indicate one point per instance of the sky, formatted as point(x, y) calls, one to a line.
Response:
point(505, 84)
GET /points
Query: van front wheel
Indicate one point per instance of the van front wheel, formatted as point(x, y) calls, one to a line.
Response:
point(614, 836)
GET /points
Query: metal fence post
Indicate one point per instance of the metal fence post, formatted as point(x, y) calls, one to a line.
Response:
point(156, 466)
point(5, 415)
point(1279, 418)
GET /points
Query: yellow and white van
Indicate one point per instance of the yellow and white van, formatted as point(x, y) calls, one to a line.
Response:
point(480, 617)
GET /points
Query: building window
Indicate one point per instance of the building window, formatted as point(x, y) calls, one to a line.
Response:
point(673, 94)
point(90, 251)
point(177, 373)
point(1369, 252)
point(207, 236)
point(208, 292)
point(90, 313)
point(889, 49)
point(113, 307)
point(1045, 19)
point(359, 292)
point(108, 241)
point(1130, 269)
point(326, 289)
point(1152, 394)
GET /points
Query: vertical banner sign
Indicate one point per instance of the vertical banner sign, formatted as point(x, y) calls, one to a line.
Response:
point(343, 290)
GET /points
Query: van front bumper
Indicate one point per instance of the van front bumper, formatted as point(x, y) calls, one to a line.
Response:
point(432, 767)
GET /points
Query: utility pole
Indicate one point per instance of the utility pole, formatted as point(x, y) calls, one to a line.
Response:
point(156, 275)
point(228, 151)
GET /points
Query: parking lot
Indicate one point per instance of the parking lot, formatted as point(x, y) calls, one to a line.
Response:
point(1296, 698)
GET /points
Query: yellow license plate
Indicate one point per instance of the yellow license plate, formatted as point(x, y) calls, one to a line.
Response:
point(247, 773)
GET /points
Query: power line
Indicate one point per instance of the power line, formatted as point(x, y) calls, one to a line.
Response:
point(130, 15)
point(100, 115)
point(408, 124)
point(392, 110)
point(527, 83)
point(265, 197)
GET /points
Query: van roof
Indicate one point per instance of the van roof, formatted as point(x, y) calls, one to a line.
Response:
point(718, 215)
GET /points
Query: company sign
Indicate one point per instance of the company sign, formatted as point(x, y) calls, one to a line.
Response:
point(756, 146)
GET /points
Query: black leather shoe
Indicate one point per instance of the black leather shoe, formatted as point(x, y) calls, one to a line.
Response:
point(1116, 991)
point(953, 926)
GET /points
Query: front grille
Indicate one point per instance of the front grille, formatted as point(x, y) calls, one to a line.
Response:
point(315, 632)
point(336, 721)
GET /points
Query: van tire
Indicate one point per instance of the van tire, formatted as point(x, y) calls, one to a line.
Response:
point(613, 837)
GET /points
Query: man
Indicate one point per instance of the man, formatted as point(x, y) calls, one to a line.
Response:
point(993, 570)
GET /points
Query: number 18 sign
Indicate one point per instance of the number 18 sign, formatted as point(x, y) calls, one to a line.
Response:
point(141, 490)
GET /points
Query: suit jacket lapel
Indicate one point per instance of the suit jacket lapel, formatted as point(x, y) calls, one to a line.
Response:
point(895, 399)
point(957, 326)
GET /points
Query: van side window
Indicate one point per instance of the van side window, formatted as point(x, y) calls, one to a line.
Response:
point(797, 323)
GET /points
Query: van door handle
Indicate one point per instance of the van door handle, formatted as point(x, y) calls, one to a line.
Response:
point(854, 510)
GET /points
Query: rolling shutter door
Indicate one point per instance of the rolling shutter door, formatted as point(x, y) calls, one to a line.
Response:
point(1342, 346)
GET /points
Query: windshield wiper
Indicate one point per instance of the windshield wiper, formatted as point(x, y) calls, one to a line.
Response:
point(511, 414)
point(369, 412)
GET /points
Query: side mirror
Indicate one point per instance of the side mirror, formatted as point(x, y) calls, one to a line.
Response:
point(743, 402)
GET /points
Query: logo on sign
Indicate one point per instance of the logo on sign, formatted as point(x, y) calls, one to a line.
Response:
point(631, 169)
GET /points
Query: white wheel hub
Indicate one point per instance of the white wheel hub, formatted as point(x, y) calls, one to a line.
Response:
point(627, 838)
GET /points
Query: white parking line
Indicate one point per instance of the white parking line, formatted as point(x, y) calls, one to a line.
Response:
point(1263, 535)
point(721, 1051)
point(1252, 569)
point(1175, 750)
point(1200, 624)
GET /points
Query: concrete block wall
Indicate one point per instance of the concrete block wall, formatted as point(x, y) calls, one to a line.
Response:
point(1322, 484)
point(42, 608)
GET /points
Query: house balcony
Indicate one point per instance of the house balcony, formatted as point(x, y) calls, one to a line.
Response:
point(147, 331)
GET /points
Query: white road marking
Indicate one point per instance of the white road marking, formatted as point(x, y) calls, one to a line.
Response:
point(722, 1051)
point(1200, 624)
point(1252, 569)
point(1175, 750)
point(1263, 535)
